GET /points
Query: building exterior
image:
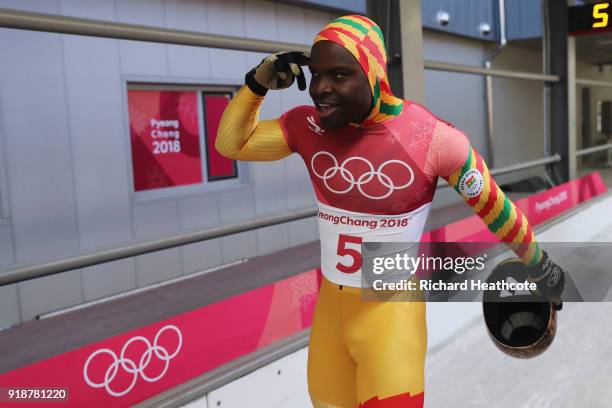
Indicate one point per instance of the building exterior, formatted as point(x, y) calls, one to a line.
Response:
point(68, 162)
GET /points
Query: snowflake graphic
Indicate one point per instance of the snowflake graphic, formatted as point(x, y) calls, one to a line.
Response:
point(304, 291)
point(138, 120)
point(399, 206)
point(390, 138)
point(439, 141)
point(157, 178)
point(420, 134)
point(420, 194)
point(188, 112)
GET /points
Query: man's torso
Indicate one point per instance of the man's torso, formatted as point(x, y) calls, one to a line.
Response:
point(371, 184)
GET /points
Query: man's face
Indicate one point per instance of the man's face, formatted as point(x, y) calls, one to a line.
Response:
point(339, 88)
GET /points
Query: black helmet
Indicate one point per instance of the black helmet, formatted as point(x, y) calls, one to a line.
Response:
point(521, 325)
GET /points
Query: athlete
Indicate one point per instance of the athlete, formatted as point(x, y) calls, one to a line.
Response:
point(374, 160)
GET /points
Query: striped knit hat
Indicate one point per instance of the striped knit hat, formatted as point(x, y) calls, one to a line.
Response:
point(363, 38)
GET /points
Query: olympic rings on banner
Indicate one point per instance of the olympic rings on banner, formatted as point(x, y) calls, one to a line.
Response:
point(365, 178)
point(130, 366)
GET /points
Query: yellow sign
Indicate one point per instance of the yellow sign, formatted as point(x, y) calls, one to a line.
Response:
point(600, 15)
point(590, 18)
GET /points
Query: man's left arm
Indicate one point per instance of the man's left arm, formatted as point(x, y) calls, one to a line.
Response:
point(471, 178)
point(502, 217)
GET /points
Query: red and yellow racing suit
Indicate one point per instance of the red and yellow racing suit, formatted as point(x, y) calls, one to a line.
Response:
point(373, 182)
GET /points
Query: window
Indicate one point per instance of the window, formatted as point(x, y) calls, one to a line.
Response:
point(218, 167)
point(172, 135)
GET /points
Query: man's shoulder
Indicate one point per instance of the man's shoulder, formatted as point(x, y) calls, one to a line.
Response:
point(297, 122)
point(300, 111)
point(431, 130)
point(416, 111)
point(301, 118)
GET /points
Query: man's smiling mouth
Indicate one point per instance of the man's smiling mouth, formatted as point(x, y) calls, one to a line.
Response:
point(326, 109)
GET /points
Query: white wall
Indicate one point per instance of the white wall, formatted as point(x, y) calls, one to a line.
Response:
point(454, 97)
point(65, 176)
point(518, 105)
point(589, 71)
point(518, 133)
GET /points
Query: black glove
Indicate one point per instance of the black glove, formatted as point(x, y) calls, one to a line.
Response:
point(550, 280)
point(278, 71)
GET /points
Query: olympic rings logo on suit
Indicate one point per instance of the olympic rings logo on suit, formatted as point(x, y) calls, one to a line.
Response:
point(365, 178)
point(129, 366)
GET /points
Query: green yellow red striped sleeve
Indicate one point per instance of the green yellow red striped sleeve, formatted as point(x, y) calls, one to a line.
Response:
point(478, 188)
point(241, 136)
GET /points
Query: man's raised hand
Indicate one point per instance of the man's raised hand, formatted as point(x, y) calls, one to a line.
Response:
point(278, 71)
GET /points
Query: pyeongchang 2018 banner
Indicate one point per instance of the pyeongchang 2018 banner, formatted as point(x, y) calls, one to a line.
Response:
point(165, 138)
point(131, 367)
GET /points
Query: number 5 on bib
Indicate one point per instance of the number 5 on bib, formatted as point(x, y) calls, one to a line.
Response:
point(355, 254)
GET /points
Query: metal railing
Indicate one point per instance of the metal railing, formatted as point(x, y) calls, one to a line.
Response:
point(113, 254)
point(212, 380)
point(593, 149)
point(90, 259)
point(519, 166)
point(466, 69)
point(81, 26)
point(592, 82)
point(526, 165)
point(196, 388)
point(25, 20)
